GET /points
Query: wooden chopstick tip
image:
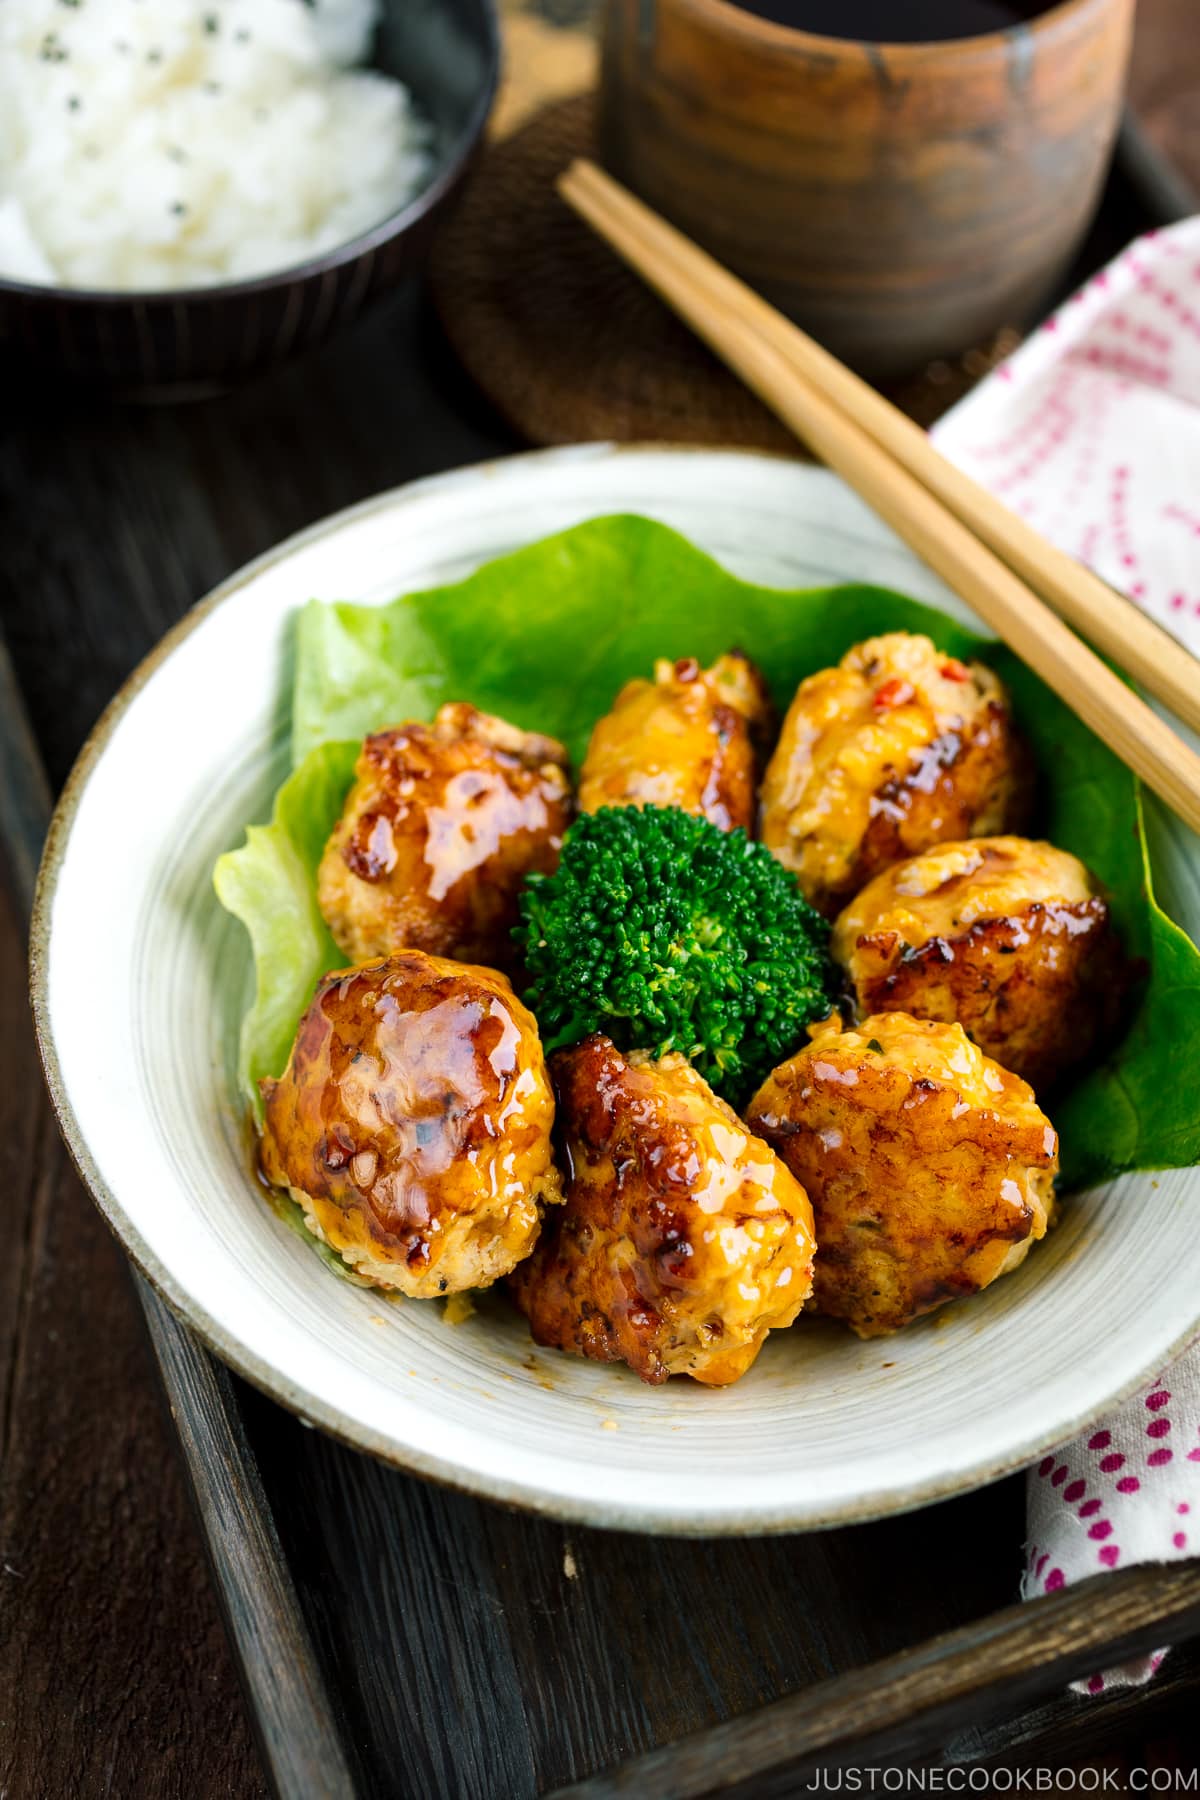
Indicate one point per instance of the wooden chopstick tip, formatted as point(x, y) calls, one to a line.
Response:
point(582, 174)
point(569, 177)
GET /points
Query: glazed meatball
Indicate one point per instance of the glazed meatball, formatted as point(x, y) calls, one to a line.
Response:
point(897, 749)
point(930, 1168)
point(1011, 938)
point(439, 830)
point(683, 1240)
point(690, 738)
point(412, 1124)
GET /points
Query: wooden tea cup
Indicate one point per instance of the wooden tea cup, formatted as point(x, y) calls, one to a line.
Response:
point(900, 201)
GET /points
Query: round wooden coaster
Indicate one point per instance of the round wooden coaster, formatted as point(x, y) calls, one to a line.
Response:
point(569, 345)
point(566, 342)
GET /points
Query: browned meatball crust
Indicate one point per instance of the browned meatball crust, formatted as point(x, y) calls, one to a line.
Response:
point(1010, 937)
point(683, 1240)
point(438, 832)
point(690, 738)
point(412, 1124)
point(930, 1168)
point(898, 748)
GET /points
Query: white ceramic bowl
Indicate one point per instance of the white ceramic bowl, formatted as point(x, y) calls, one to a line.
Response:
point(140, 981)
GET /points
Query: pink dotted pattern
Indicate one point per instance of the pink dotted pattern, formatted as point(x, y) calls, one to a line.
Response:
point(1120, 1494)
point(1092, 429)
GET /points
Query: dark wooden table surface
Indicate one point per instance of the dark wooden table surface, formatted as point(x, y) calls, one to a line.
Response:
point(115, 1676)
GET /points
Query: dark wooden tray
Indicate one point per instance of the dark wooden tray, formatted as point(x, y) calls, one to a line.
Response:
point(398, 1639)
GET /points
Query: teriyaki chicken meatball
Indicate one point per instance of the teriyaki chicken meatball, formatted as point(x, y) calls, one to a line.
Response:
point(896, 749)
point(683, 1239)
point(930, 1169)
point(690, 738)
point(412, 1124)
point(1011, 938)
point(439, 830)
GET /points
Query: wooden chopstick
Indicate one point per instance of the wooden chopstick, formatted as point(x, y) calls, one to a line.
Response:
point(717, 310)
point(1119, 628)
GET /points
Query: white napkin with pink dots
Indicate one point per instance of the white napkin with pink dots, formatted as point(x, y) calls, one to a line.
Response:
point(1091, 431)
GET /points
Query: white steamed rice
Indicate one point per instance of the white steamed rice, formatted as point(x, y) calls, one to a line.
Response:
point(175, 143)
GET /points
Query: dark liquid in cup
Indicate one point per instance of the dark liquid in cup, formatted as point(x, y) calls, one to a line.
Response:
point(897, 21)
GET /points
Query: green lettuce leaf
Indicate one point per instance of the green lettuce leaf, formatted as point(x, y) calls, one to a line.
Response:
point(546, 636)
point(270, 884)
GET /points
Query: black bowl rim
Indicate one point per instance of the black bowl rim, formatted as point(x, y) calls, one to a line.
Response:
point(1053, 16)
point(394, 225)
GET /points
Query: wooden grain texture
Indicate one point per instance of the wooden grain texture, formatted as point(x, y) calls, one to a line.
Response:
point(552, 55)
point(102, 1576)
point(895, 1710)
point(295, 1721)
point(589, 1646)
point(900, 201)
point(120, 517)
point(1164, 81)
point(1155, 1724)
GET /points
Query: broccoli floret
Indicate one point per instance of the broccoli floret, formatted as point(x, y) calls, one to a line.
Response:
point(667, 933)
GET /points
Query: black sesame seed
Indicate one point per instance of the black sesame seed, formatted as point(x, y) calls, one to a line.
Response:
point(178, 208)
point(74, 103)
point(211, 24)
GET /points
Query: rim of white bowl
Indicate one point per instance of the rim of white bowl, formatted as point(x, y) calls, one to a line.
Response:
point(792, 1516)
